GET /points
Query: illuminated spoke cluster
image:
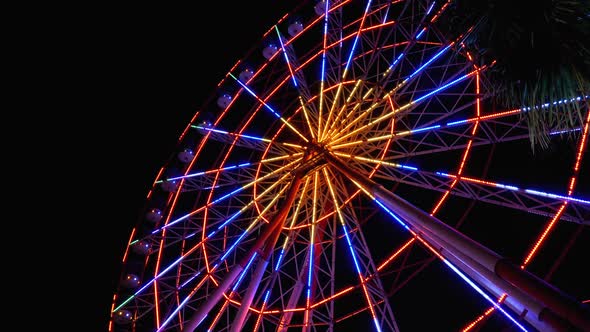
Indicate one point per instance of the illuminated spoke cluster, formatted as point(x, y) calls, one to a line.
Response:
point(252, 225)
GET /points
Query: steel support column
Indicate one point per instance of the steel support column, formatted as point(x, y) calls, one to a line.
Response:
point(553, 302)
point(275, 224)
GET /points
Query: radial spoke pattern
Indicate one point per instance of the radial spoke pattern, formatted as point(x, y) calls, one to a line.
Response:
point(250, 227)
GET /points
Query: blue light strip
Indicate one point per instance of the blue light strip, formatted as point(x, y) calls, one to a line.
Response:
point(562, 101)
point(352, 50)
point(517, 189)
point(513, 188)
point(266, 296)
point(564, 131)
point(233, 246)
point(454, 123)
point(420, 33)
point(558, 197)
point(190, 279)
point(280, 259)
point(457, 271)
point(414, 131)
point(206, 172)
point(396, 60)
point(484, 295)
point(174, 312)
point(244, 272)
point(351, 250)
point(232, 134)
point(323, 73)
point(386, 15)
point(418, 36)
point(256, 96)
point(286, 56)
point(441, 88)
point(310, 267)
point(183, 256)
point(188, 215)
point(430, 60)
point(268, 107)
point(324, 52)
point(225, 223)
point(430, 8)
point(216, 265)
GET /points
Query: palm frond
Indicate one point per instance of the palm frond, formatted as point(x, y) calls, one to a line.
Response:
point(541, 50)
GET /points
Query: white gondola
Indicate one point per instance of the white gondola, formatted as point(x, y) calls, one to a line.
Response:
point(246, 75)
point(295, 28)
point(154, 215)
point(141, 247)
point(320, 7)
point(131, 281)
point(269, 51)
point(224, 100)
point(186, 155)
point(169, 185)
point(123, 317)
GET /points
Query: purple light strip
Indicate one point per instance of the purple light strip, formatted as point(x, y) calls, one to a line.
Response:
point(453, 268)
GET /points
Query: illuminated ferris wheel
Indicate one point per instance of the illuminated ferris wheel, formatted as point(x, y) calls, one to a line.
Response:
point(352, 171)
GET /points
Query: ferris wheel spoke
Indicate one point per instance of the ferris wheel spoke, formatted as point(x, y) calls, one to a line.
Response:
point(505, 195)
point(419, 127)
point(248, 141)
point(360, 254)
point(347, 62)
point(331, 125)
point(323, 70)
point(299, 81)
point(331, 70)
point(446, 81)
point(202, 179)
point(443, 136)
point(416, 73)
point(376, 18)
point(228, 195)
point(434, 139)
point(216, 216)
point(414, 36)
point(268, 107)
point(398, 111)
point(356, 40)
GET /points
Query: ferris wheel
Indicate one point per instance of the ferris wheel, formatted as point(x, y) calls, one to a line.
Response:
point(353, 172)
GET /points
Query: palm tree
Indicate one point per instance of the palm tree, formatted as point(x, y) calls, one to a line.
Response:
point(541, 50)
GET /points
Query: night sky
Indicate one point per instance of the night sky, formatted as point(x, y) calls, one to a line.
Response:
point(155, 66)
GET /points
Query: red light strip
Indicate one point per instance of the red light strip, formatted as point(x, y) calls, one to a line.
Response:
point(545, 233)
point(468, 148)
point(581, 149)
point(128, 244)
point(395, 254)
